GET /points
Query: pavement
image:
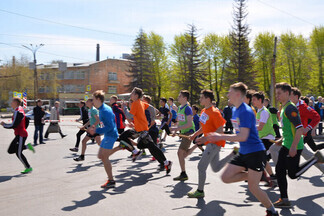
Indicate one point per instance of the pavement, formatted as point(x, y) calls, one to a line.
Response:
point(60, 186)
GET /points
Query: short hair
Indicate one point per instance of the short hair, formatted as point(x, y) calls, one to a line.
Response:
point(259, 95)
point(306, 99)
point(99, 94)
point(39, 100)
point(18, 100)
point(56, 102)
point(284, 87)
point(138, 91)
point(147, 98)
point(163, 99)
point(114, 97)
point(171, 99)
point(241, 87)
point(82, 102)
point(195, 107)
point(296, 91)
point(208, 94)
point(185, 93)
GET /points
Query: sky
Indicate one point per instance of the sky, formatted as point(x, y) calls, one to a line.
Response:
point(70, 29)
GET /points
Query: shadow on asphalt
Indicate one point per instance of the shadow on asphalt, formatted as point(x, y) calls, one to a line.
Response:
point(212, 208)
point(315, 180)
point(7, 178)
point(81, 168)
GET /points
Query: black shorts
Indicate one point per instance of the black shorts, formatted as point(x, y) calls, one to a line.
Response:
point(92, 136)
point(174, 120)
point(255, 160)
point(267, 143)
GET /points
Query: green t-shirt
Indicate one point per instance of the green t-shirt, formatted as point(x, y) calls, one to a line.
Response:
point(268, 126)
point(290, 121)
point(92, 113)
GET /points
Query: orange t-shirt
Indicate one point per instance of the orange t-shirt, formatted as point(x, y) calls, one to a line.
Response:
point(138, 111)
point(210, 120)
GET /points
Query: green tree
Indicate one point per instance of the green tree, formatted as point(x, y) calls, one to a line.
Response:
point(317, 43)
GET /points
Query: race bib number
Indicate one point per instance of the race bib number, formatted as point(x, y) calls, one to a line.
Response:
point(203, 118)
point(181, 117)
point(236, 124)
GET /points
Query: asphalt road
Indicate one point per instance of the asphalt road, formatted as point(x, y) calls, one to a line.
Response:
point(60, 186)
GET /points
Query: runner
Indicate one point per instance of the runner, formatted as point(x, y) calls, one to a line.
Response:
point(166, 114)
point(85, 119)
point(195, 111)
point(211, 120)
point(274, 115)
point(252, 155)
point(120, 116)
point(248, 100)
point(137, 112)
point(173, 109)
point(19, 124)
point(266, 133)
point(186, 127)
point(289, 154)
point(110, 132)
point(94, 120)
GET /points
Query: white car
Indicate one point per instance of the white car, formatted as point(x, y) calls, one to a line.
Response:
point(30, 115)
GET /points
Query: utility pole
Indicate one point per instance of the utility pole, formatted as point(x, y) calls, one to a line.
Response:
point(34, 50)
point(273, 75)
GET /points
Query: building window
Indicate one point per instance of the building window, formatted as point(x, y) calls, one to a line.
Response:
point(74, 75)
point(112, 76)
point(112, 89)
point(71, 88)
point(59, 75)
point(44, 89)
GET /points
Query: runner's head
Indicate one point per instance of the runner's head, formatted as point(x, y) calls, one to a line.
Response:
point(206, 97)
point(113, 99)
point(183, 96)
point(39, 102)
point(81, 103)
point(283, 91)
point(147, 99)
point(98, 98)
point(89, 103)
point(295, 95)
point(136, 94)
point(248, 97)
point(195, 109)
point(305, 99)
point(163, 101)
point(171, 99)
point(258, 99)
point(237, 92)
point(16, 101)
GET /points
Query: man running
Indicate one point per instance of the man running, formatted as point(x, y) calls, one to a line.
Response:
point(211, 120)
point(110, 132)
point(85, 119)
point(166, 117)
point(19, 125)
point(94, 120)
point(292, 146)
point(252, 155)
point(173, 109)
point(137, 112)
point(120, 116)
point(187, 128)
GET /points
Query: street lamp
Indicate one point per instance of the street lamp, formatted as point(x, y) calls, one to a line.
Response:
point(34, 50)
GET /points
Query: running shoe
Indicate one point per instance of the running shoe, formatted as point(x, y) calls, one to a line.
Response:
point(153, 159)
point(161, 167)
point(125, 145)
point(109, 184)
point(319, 157)
point(137, 156)
point(74, 149)
point(78, 158)
point(269, 213)
point(28, 170)
point(196, 194)
point(282, 204)
point(30, 147)
point(168, 167)
point(181, 177)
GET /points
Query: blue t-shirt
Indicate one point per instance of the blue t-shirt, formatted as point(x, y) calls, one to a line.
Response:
point(243, 117)
point(196, 121)
point(107, 117)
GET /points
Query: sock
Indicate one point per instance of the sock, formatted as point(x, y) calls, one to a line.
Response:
point(135, 151)
point(272, 209)
point(200, 191)
point(166, 162)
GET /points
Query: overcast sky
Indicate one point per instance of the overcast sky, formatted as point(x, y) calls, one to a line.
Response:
point(115, 24)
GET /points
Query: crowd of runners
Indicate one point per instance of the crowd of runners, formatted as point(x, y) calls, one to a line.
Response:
point(248, 119)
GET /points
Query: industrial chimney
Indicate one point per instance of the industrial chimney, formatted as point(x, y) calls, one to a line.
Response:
point(98, 53)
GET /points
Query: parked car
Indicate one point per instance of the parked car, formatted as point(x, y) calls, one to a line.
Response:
point(30, 115)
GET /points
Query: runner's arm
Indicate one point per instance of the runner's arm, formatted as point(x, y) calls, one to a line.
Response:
point(18, 117)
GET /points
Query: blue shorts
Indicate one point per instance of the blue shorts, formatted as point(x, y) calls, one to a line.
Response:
point(107, 143)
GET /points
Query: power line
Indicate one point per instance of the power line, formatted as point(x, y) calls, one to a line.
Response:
point(64, 24)
point(287, 13)
point(66, 44)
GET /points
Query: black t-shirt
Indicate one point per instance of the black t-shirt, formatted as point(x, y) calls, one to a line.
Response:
point(38, 115)
point(165, 112)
